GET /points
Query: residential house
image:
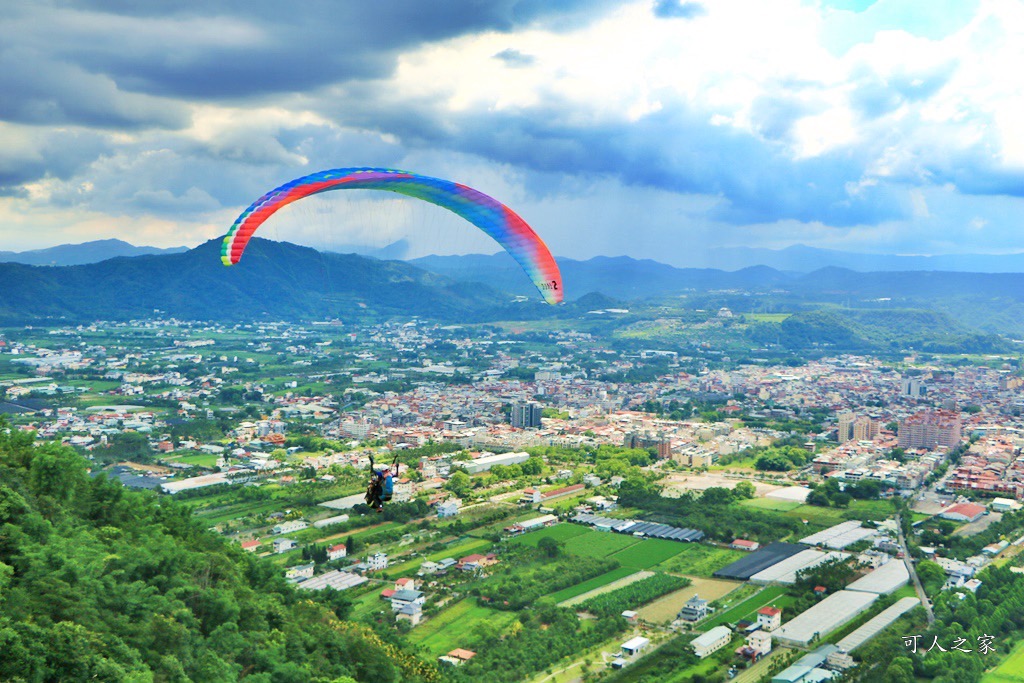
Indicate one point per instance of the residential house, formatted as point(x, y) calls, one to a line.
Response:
point(336, 552)
point(283, 545)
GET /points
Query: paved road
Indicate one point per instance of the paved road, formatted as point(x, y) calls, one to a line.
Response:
point(754, 673)
point(913, 573)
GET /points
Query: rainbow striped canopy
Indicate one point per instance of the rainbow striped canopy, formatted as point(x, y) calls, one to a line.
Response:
point(488, 214)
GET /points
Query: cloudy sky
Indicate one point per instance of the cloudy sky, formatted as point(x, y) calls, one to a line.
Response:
point(654, 128)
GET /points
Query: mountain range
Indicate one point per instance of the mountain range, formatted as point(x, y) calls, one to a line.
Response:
point(279, 280)
point(804, 259)
point(80, 254)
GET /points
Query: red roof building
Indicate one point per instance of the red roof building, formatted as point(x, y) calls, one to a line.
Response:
point(964, 512)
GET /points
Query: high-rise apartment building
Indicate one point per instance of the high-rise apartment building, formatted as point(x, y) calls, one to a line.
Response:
point(525, 415)
point(846, 426)
point(930, 428)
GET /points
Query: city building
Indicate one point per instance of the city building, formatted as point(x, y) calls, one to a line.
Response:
point(929, 429)
point(525, 415)
point(845, 426)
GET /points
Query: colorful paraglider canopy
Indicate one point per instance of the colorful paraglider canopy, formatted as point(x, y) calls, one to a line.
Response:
point(488, 214)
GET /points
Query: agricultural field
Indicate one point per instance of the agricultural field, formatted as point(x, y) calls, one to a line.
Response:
point(455, 550)
point(619, 583)
point(771, 504)
point(454, 626)
point(664, 610)
point(591, 584)
point(700, 559)
point(648, 553)
point(599, 544)
point(1010, 670)
point(559, 532)
point(859, 509)
point(767, 317)
point(768, 596)
point(201, 460)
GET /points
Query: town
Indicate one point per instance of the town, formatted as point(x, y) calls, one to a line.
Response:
point(658, 511)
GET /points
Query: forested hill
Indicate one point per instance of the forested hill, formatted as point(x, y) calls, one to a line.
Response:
point(101, 583)
point(274, 280)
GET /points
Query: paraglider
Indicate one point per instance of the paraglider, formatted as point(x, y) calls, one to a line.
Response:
point(382, 485)
point(488, 214)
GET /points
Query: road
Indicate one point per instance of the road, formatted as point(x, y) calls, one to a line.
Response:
point(913, 573)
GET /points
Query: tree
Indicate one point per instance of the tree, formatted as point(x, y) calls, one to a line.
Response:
point(549, 546)
point(900, 670)
point(744, 489)
point(459, 483)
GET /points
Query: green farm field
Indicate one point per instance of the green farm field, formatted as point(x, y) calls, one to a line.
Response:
point(454, 626)
point(559, 532)
point(596, 582)
point(648, 553)
point(1010, 670)
point(599, 544)
point(771, 504)
point(769, 595)
point(700, 559)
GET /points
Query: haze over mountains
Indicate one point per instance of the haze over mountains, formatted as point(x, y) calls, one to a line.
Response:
point(797, 258)
point(80, 254)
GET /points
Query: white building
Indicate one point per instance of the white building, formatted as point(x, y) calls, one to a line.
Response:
point(761, 641)
point(769, 618)
point(283, 545)
point(289, 527)
point(449, 508)
point(486, 462)
point(377, 561)
point(337, 519)
point(712, 641)
point(303, 571)
point(635, 646)
point(336, 552)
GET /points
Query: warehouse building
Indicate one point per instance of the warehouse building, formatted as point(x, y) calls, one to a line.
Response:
point(785, 571)
point(878, 622)
point(759, 560)
point(891, 576)
point(840, 535)
point(826, 616)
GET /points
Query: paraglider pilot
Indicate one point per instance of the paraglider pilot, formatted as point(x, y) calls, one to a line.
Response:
point(382, 485)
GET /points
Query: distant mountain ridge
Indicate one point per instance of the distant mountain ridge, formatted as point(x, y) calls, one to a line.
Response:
point(803, 259)
point(81, 254)
point(621, 277)
point(274, 280)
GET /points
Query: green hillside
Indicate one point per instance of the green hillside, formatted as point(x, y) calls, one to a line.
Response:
point(101, 583)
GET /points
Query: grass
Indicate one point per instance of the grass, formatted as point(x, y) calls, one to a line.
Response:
point(769, 595)
point(648, 553)
point(767, 317)
point(700, 559)
point(197, 460)
point(771, 504)
point(591, 584)
point(559, 532)
point(453, 627)
point(599, 544)
point(1010, 670)
point(859, 509)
